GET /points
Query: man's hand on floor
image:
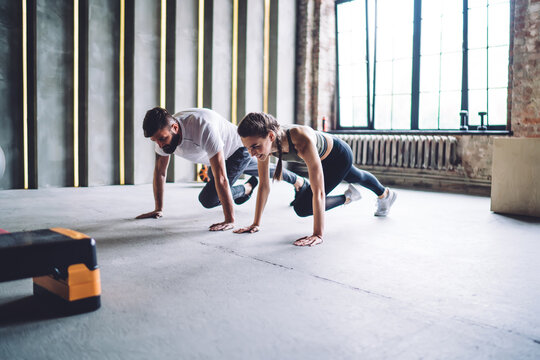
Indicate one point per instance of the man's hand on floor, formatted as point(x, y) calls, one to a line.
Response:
point(222, 226)
point(156, 214)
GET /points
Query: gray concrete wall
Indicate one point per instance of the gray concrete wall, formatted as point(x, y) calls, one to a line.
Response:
point(187, 22)
point(55, 92)
point(286, 58)
point(11, 93)
point(146, 83)
point(254, 56)
point(103, 45)
point(222, 58)
point(99, 122)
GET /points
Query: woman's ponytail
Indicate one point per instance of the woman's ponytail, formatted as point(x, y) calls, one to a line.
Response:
point(279, 167)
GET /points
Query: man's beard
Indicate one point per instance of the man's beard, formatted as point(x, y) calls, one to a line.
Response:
point(169, 148)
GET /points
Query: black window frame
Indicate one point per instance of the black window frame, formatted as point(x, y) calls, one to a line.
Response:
point(415, 83)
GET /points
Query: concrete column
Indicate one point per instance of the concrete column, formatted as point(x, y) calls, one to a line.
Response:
point(221, 57)
point(11, 106)
point(286, 58)
point(103, 97)
point(145, 84)
point(253, 50)
point(187, 15)
point(55, 92)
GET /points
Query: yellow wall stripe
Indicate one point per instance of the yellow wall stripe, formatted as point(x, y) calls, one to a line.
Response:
point(122, 91)
point(163, 59)
point(234, 76)
point(76, 93)
point(25, 92)
point(266, 56)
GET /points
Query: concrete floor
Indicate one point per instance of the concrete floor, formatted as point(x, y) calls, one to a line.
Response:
point(441, 278)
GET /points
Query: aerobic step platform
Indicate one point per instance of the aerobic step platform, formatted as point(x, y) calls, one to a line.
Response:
point(62, 262)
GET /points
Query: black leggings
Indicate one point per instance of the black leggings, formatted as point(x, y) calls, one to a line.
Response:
point(337, 167)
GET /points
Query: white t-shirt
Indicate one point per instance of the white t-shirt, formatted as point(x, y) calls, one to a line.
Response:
point(204, 134)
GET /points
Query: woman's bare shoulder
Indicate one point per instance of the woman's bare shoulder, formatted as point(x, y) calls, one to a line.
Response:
point(302, 136)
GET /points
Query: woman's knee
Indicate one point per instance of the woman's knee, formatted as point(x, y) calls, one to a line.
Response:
point(302, 210)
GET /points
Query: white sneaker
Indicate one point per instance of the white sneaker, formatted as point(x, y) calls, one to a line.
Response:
point(352, 194)
point(384, 204)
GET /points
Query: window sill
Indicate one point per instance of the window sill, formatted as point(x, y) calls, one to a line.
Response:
point(422, 132)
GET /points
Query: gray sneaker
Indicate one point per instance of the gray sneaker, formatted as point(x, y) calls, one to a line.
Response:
point(384, 205)
point(352, 193)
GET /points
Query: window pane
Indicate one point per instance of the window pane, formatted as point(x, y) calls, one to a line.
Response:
point(345, 81)
point(394, 64)
point(450, 108)
point(345, 49)
point(352, 64)
point(384, 36)
point(477, 69)
point(451, 71)
point(477, 28)
point(402, 76)
point(431, 11)
point(383, 112)
point(345, 14)
point(402, 43)
point(384, 78)
point(359, 81)
point(345, 111)
point(429, 74)
point(428, 117)
point(452, 26)
point(360, 111)
point(401, 112)
point(431, 35)
point(497, 112)
point(477, 103)
point(499, 24)
point(498, 67)
point(477, 3)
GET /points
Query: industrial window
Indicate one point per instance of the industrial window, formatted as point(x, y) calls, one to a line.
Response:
point(422, 65)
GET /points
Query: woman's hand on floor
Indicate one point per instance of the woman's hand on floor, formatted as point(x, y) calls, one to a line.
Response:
point(311, 240)
point(248, 229)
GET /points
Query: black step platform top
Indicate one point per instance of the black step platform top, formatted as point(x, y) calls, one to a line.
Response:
point(43, 252)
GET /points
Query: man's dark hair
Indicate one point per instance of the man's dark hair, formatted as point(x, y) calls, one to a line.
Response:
point(156, 119)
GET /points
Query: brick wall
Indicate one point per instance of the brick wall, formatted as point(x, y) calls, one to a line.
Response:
point(525, 70)
point(316, 62)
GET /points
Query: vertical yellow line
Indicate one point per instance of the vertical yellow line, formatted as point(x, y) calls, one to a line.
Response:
point(234, 85)
point(200, 58)
point(163, 60)
point(266, 56)
point(25, 92)
point(121, 90)
point(76, 93)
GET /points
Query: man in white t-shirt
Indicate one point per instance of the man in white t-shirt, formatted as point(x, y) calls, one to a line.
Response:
point(203, 136)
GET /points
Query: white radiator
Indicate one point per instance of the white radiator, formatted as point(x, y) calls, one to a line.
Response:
point(406, 151)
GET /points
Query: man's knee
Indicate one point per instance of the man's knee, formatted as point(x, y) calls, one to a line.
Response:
point(207, 200)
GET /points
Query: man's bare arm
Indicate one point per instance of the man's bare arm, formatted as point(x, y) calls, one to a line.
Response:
point(160, 173)
point(219, 170)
